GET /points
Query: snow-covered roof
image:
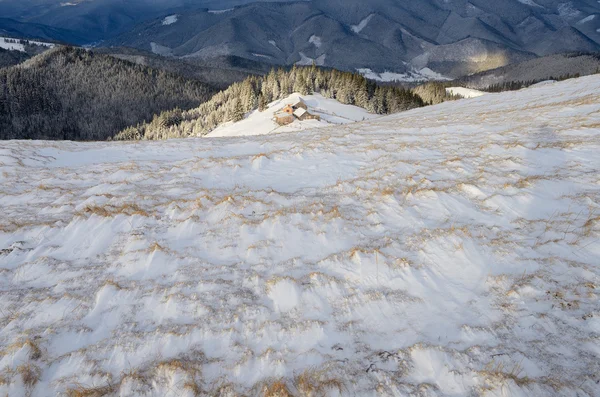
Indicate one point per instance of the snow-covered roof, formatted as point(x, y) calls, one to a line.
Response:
point(299, 112)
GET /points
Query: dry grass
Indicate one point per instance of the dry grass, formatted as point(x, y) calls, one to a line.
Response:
point(110, 211)
point(313, 383)
point(498, 372)
point(30, 374)
point(83, 391)
point(276, 389)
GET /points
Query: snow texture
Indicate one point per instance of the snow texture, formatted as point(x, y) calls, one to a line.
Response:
point(446, 251)
point(170, 20)
point(464, 92)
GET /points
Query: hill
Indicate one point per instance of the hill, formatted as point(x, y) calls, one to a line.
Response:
point(444, 251)
point(536, 70)
point(329, 111)
point(256, 92)
point(74, 94)
point(219, 72)
point(10, 58)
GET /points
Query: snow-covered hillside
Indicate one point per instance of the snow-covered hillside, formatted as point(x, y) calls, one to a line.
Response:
point(445, 251)
point(17, 44)
point(261, 123)
point(465, 92)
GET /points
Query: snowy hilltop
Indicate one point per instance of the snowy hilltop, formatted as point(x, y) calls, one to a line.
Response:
point(451, 250)
point(328, 110)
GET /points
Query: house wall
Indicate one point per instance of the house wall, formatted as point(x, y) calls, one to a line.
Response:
point(284, 119)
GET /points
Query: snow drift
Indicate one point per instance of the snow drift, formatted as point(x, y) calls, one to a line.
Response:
point(445, 251)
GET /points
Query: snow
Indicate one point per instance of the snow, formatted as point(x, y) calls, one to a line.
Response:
point(7, 44)
point(568, 10)
point(530, 3)
point(316, 41)
point(445, 251)
point(424, 74)
point(170, 20)
point(587, 19)
point(274, 44)
point(261, 123)
point(307, 61)
point(363, 24)
point(465, 92)
point(261, 55)
point(220, 11)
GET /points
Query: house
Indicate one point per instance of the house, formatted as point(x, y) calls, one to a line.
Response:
point(298, 111)
point(284, 118)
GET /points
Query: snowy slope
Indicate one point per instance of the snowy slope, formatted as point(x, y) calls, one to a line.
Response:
point(261, 123)
point(16, 45)
point(446, 251)
point(465, 92)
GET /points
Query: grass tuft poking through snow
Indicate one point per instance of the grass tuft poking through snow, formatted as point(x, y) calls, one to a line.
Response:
point(446, 251)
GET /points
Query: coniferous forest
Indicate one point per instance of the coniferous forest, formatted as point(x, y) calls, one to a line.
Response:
point(75, 94)
point(257, 91)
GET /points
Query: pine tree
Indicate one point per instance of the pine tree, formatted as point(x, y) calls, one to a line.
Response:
point(238, 111)
point(262, 103)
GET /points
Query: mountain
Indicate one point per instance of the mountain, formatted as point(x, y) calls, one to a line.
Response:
point(219, 72)
point(13, 28)
point(545, 68)
point(74, 94)
point(88, 21)
point(452, 37)
point(445, 251)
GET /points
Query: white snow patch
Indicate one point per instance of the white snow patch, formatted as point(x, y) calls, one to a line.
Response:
point(363, 24)
point(170, 20)
point(424, 74)
point(307, 61)
point(220, 11)
point(261, 55)
point(8, 43)
point(465, 92)
point(316, 41)
point(530, 3)
point(587, 19)
point(262, 123)
point(160, 49)
point(445, 251)
point(274, 44)
point(568, 10)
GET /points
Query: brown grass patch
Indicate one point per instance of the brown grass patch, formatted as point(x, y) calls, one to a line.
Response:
point(82, 391)
point(30, 374)
point(312, 383)
point(277, 389)
point(110, 211)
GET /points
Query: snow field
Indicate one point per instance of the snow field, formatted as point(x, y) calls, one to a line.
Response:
point(445, 251)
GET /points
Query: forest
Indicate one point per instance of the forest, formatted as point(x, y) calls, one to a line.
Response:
point(75, 94)
point(256, 92)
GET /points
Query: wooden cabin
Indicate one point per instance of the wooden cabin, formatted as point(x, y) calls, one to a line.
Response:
point(290, 112)
point(284, 118)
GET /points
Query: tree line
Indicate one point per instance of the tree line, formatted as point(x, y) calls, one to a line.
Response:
point(256, 92)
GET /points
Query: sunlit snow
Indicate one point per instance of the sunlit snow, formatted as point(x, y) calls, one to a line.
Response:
point(446, 251)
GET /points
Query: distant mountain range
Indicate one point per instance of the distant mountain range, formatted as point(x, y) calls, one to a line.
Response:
point(451, 37)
